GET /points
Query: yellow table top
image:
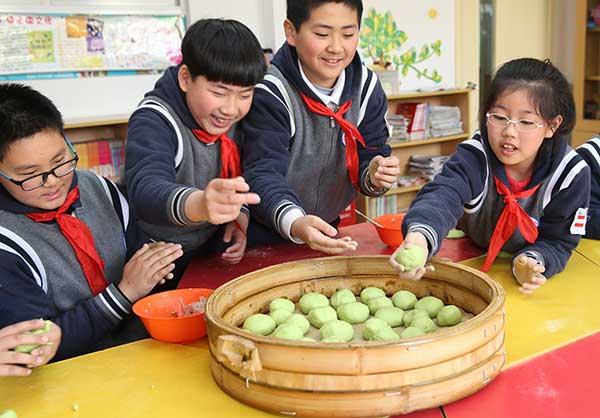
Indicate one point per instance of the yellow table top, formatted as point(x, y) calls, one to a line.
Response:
point(153, 379)
point(590, 249)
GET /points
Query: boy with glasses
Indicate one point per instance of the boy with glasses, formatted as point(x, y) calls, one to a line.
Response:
point(66, 236)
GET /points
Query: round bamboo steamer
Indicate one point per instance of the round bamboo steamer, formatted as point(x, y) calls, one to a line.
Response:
point(357, 378)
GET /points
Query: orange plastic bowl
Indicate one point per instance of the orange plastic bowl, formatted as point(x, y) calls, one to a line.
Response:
point(157, 314)
point(391, 233)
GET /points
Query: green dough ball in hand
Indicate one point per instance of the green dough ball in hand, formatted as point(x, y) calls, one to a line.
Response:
point(280, 315)
point(319, 316)
point(299, 321)
point(340, 297)
point(312, 300)
point(369, 293)
point(337, 328)
point(449, 315)
point(404, 299)
point(376, 303)
point(28, 348)
point(386, 334)
point(8, 413)
point(390, 314)
point(287, 332)
point(455, 233)
point(410, 316)
point(282, 303)
point(412, 332)
point(372, 326)
point(411, 258)
point(353, 312)
point(425, 323)
point(259, 324)
point(430, 304)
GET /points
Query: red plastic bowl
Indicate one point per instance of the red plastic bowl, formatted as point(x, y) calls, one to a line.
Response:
point(391, 233)
point(156, 313)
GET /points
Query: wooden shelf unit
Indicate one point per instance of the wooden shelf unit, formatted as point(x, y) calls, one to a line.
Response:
point(89, 130)
point(443, 145)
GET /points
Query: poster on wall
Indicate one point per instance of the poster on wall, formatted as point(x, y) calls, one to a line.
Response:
point(410, 43)
point(52, 46)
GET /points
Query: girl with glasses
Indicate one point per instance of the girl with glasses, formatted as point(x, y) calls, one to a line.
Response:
point(515, 186)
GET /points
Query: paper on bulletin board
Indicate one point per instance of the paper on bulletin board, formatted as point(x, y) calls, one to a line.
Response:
point(32, 44)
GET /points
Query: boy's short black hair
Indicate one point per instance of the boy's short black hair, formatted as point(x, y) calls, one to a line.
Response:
point(23, 113)
point(223, 50)
point(298, 11)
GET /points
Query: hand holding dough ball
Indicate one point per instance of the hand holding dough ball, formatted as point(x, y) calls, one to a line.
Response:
point(259, 324)
point(412, 332)
point(410, 316)
point(449, 315)
point(404, 299)
point(390, 314)
point(372, 326)
point(28, 348)
point(379, 302)
point(431, 304)
point(319, 316)
point(424, 323)
point(299, 321)
point(369, 293)
point(341, 297)
point(353, 312)
point(337, 328)
point(282, 303)
point(280, 315)
point(312, 300)
point(287, 332)
point(411, 258)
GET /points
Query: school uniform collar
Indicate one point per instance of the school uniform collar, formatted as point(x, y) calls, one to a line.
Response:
point(336, 93)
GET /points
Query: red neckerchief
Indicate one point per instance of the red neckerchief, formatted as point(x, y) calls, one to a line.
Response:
point(351, 133)
point(231, 165)
point(512, 216)
point(80, 237)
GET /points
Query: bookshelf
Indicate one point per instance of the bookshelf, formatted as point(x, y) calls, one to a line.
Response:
point(445, 145)
point(586, 76)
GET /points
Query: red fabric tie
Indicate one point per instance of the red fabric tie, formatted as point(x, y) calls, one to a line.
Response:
point(512, 216)
point(231, 165)
point(80, 237)
point(351, 133)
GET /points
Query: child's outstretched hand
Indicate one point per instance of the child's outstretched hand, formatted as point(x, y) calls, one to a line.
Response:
point(528, 273)
point(412, 238)
point(150, 265)
point(384, 171)
point(319, 235)
point(13, 363)
point(221, 201)
point(235, 232)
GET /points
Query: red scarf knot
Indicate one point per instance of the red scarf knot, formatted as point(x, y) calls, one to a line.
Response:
point(231, 165)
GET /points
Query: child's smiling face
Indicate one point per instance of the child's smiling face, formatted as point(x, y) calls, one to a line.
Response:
point(326, 43)
point(33, 155)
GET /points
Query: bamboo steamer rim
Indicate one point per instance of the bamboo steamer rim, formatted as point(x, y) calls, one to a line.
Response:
point(496, 304)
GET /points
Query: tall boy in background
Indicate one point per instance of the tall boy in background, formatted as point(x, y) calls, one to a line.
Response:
point(182, 169)
point(316, 133)
point(66, 236)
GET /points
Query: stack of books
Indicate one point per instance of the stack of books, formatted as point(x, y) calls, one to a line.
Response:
point(417, 115)
point(399, 126)
point(105, 158)
point(444, 121)
point(426, 166)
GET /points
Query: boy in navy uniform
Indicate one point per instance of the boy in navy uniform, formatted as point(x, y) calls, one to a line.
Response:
point(590, 151)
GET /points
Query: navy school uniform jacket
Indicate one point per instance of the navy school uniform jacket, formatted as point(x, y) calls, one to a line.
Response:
point(590, 151)
point(465, 191)
point(40, 276)
point(295, 159)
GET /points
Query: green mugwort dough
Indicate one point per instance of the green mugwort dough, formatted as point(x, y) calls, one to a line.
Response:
point(312, 300)
point(430, 304)
point(353, 312)
point(282, 303)
point(300, 321)
point(455, 233)
point(411, 258)
point(318, 316)
point(404, 299)
point(449, 315)
point(287, 332)
point(410, 316)
point(425, 323)
point(332, 339)
point(369, 293)
point(390, 314)
point(386, 334)
point(280, 315)
point(372, 326)
point(380, 302)
point(411, 332)
point(337, 328)
point(28, 348)
point(340, 297)
point(259, 324)
point(308, 339)
point(8, 413)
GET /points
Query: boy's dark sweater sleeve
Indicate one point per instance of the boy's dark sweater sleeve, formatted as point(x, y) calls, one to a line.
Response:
point(440, 203)
point(590, 152)
point(150, 170)
point(555, 241)
point(266, 157)
point(375, 131)
point(22, 298)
